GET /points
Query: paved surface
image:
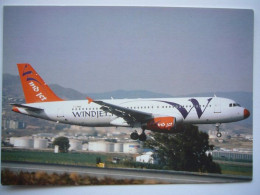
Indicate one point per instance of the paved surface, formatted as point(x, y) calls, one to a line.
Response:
point(172, 177)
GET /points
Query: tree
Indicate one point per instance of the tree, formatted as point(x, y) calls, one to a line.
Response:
point(63, 143)
point(184, 151)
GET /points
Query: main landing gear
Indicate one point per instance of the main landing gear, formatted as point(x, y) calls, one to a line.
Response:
point(217, 129)
point(141, 137)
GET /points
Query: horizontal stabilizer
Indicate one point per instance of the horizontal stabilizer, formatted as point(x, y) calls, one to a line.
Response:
point(29, 108)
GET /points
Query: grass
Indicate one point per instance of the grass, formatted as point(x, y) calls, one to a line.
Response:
point(235, 169)
point(50, 157)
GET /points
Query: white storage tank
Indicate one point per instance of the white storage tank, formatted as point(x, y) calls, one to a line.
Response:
point(12, 140)
point(97, 146)
point(40, 143)
point(75, 144)
point(118, 147)
point(23, 142)
point(110, 147)
point(85, 147)
point(132, 147)
point(56, 149)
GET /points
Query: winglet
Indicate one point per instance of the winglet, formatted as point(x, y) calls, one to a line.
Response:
point(89, 100)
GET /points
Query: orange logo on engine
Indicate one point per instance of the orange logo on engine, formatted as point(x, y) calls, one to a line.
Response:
point(161, 123)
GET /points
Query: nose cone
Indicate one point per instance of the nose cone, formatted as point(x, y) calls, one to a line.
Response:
point(246, 113)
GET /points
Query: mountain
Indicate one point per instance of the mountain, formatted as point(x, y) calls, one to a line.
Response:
point(12, 88)
point(72, 94)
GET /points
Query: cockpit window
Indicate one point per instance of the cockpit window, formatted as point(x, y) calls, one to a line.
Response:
point(234, 105)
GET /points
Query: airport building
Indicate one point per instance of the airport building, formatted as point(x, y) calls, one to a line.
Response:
point(231, 155)
point(132, 148)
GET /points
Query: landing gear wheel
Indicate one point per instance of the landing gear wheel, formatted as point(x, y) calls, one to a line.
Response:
point(134, 135)
point(142, 137)
point(219, 134)
point(217, 129)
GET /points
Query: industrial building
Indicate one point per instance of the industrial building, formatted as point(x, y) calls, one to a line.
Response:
point(230, 155)
point(13, 124)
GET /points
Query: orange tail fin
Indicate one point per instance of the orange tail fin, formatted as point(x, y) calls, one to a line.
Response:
point(34, 87)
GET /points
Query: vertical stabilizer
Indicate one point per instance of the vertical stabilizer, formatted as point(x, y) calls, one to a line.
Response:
point(34, 87)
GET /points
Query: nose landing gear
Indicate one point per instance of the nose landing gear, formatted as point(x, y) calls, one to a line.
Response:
point(217, 129)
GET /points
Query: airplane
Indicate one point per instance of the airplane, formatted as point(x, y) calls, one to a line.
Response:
point(155, 114)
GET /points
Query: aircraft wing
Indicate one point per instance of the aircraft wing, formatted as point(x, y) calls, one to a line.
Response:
point(29, 108)
point(127, 114)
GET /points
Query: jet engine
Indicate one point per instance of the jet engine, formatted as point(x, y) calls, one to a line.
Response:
point(161, 124)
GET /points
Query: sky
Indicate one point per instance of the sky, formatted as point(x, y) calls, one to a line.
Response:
point(176, 51)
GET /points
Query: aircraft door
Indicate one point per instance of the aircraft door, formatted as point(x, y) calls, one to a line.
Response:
point(217, 105)
point(60, 114)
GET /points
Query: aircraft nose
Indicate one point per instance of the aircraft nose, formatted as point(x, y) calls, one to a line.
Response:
point(246, 113)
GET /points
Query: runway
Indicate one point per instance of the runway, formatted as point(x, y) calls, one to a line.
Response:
point(171, 177)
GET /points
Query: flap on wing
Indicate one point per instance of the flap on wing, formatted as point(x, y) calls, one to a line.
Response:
point(127, 114)
point(30, 108)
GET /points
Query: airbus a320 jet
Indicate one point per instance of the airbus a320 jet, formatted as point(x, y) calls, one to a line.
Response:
point(155, 114)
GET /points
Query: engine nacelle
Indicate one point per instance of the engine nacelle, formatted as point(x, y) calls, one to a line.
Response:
point(161, 124)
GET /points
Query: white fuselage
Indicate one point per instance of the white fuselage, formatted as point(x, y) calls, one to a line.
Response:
point(201, 110)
